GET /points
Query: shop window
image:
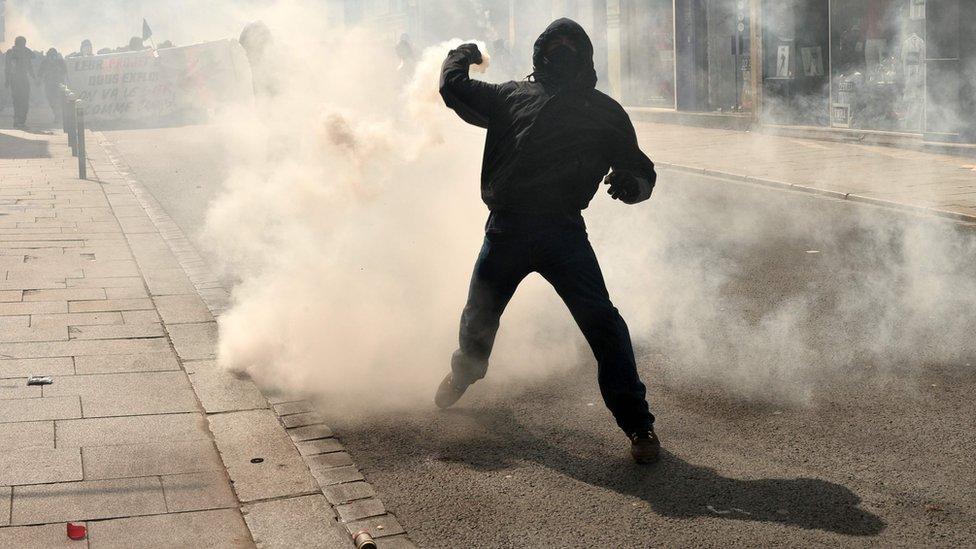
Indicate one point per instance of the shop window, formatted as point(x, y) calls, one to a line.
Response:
point(648, 63)
point(796, 84)
point(878, 53)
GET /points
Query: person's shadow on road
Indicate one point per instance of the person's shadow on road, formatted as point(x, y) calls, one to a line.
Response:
point(673, 487)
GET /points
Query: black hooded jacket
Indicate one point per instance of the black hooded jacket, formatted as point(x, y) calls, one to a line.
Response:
point(549, 143)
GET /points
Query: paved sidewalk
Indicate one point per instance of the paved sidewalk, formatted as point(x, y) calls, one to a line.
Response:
point(140, 436)
point(906, 179)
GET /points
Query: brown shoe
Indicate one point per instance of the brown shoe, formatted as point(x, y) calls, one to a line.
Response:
point(645, 446)
point(448, 393)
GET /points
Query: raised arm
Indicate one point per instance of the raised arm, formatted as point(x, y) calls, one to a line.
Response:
point(472, 100)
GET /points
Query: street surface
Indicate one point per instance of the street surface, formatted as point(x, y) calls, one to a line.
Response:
point(881, 453)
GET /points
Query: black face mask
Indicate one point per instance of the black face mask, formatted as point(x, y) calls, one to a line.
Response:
point(563, 63)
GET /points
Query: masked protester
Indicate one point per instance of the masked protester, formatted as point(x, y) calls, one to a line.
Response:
point(550, 141)
point(53, 73)
point(19, 70)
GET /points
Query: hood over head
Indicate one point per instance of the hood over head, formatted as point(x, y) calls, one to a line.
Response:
point(586, 78)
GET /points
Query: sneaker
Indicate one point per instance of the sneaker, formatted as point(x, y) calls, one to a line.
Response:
point(645, 446)
point(448, 393)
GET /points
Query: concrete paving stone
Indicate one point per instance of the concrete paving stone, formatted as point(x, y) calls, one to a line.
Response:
point(182, 309)
point(397, 542)
point(328, 460)
point(378, 527)
point(107, 282)
point(319, 446)
point(348, 492)
point(168, 281)
point(98, 226)
point(135, 225)
point(305, 521)
point(30, 435)
point(294, 407)
point(107, 253)
point(358, 510)
point(220, 391)
point(68, 294)
point(126, 293)
point(336, 475)
point(194, 341)
point(14, 388)
point(109, 431)
point(216, 528)
point(87, 500)
point(140, 317)
point(30, 272)
point(40, 466)
point(7, 296)
point(110, 305)
point(105, 395)
point(310, 432)
point(83, 347)
point(30, 333)
point(146, 459)
point(198, 491)
point(118, 331)
point(76, 319)
point(24, 367)
point(109, 364)
point(112, 268)
point(21, 321)
point(301, 420)
point(243, 436)
point(5, 495)
point(40, 409)
point(45, 536)
point(32, 286)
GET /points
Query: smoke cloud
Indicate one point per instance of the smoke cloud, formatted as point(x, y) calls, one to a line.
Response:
point(351, 220)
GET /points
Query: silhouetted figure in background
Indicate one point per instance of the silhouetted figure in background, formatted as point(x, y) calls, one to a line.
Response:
point(53, 74)
point(135, 44)
point(408, 59)
point(86, 50)
point(18, 72)
point(256, 40)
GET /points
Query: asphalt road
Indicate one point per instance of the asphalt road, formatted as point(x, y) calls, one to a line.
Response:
point(880, 453)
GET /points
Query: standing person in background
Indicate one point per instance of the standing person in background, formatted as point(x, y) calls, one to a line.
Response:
point(18, 72)
point(86, 50)
point(408, 59)
point(550, 141)
point(53, 74)
point(256, 39)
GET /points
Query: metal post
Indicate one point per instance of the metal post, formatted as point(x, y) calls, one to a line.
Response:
point(82, 159)
point(69, 123)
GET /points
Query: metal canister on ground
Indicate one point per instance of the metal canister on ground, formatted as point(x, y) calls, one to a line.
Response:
point(363, 540)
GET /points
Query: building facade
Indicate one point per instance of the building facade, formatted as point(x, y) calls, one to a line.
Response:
point(901, 66)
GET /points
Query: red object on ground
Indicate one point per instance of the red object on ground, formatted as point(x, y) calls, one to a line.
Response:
point(77, 531)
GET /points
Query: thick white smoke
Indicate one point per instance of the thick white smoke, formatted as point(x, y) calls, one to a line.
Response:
point(353, 219)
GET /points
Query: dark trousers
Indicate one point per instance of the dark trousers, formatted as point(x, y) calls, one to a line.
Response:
point(562, 254)
point(20, 92)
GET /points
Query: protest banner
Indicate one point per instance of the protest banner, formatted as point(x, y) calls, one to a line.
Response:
point(160, 87)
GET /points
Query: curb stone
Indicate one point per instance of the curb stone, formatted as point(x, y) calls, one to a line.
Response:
point(853, 197)
point(352, 500)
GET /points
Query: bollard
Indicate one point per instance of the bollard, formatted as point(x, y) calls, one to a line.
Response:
point(69, 122)
point(80, 139)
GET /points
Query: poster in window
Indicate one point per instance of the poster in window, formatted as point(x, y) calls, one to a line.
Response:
point(812, 61)
point(916, 10)
point(783, 62)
